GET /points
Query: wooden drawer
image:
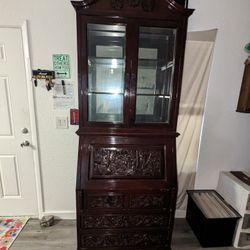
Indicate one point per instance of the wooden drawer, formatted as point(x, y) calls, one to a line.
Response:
point(157, 200)
point(105, 200)
point(124, 239)
point(149, 201)
point(125, 220)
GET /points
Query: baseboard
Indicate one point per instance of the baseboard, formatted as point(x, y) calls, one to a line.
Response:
point(64, 215)
point(180, 214)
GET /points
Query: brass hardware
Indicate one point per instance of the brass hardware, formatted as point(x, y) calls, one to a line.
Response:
point(25, 144)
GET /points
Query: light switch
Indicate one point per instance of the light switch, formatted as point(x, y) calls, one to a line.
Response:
point(62, 123)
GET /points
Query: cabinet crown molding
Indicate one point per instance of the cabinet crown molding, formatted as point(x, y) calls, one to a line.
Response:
point(146, 5)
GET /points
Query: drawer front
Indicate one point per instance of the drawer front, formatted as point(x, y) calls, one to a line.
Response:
point(115, 221)
point(109, 200)
point(147, 239)
point(124, 200)
point(149, 201)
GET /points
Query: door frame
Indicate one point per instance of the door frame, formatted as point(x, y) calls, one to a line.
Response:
point(23, 27)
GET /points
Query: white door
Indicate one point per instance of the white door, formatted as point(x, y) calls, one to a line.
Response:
point(17, 172)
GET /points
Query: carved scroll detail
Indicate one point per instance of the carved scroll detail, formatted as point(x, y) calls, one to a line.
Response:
point(124, 163)
point(105, 221)
point(147, 5)
point(148, 201)
point(148, 220)
point(134, 3)
point(117, 4)
point(83, 3)
point(115, 201)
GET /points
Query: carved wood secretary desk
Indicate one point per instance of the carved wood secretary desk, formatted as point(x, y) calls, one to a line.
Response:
point(130, 61)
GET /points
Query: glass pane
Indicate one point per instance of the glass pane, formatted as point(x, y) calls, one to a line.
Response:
point(106, 67)
point(106, 75)
point(152, 109)
point(155, 74)
point(105, 108)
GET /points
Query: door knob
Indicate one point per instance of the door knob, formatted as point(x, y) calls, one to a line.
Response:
point(25, 131)
point(25, 144)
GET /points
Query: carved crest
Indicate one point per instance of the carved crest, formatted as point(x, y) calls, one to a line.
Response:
point(83, 3)
point(88, 2)
point(117, 4)
point(134, 3)
point(147, 5)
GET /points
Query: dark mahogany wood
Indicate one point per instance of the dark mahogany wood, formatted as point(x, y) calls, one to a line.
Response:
point(244, 98)
point(126, 178)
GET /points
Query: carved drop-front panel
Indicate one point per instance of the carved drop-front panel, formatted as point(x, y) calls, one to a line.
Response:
point(127, 163)
point(134, 239)
point(123, 221)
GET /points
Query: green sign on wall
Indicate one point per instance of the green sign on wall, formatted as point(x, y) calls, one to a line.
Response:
point(61, 65)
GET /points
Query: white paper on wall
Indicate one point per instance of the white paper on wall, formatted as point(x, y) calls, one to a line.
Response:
point(63, 97)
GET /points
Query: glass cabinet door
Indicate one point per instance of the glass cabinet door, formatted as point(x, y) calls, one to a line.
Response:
point(155, 74)
point(106, 66)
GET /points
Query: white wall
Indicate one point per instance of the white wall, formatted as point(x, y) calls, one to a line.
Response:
point(52, 30)
point(225, 141)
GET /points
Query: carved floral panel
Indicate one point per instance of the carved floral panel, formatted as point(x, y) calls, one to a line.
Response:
point(126, 163)
point(106, 201)
point(123, 221)
point(136, 239)
point(148, 201)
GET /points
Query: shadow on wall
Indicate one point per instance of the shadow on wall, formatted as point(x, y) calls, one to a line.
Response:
point(198, 59)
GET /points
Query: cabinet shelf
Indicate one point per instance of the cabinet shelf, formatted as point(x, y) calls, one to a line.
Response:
point(245, 247)
point(247, 231)
point(103, 93)
point(244, 240)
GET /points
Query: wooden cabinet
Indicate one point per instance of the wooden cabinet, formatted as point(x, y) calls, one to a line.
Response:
point(130, 61)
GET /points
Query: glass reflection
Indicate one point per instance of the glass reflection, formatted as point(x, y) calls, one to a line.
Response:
point(106, 64)
point(155, 74)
